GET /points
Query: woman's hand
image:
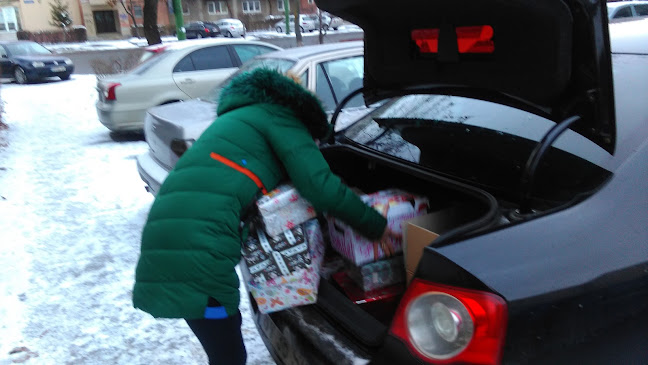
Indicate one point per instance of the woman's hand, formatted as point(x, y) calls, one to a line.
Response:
point(386, 241)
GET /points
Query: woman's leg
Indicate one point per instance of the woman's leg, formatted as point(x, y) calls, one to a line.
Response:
point(221, 339)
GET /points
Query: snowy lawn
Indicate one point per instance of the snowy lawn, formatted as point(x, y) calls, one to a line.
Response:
point(72, 207)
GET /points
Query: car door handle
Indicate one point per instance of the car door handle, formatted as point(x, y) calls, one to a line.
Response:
point(187, 81)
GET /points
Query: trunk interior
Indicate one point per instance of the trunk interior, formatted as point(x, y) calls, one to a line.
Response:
point(367, 323)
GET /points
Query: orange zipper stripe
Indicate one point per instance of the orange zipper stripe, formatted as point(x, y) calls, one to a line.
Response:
point(240, 169)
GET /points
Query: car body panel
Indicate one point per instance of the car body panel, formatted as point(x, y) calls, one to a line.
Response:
point(198, 83)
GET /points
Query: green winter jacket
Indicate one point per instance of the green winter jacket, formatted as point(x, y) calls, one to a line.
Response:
point(191, 241)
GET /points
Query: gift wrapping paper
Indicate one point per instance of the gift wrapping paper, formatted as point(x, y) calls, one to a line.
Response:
point(270, 257)
point(283, 208)
point(298, 288)
point(396, 205)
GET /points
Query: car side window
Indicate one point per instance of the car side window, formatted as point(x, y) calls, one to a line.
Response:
point(210, 58)
point(345, 76)
point(624, 12)
point(641, 10)
point(185, 65)
point(323, 90)
point(247, 51)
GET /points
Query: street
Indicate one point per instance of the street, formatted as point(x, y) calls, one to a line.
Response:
point(73, 207)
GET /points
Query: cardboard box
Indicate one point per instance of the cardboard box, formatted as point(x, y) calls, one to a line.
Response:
point(420, 232)
point(397, 205)
point(296, 289)
point(283, 208)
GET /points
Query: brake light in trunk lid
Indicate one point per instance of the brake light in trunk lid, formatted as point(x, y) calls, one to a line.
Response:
point(109, 93)
point(446, 325)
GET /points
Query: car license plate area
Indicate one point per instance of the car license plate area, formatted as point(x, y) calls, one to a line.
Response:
point(58, 68)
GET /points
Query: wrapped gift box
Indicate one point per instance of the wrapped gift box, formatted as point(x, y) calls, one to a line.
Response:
point(298, 288)
point(268, 258)
point(396, 205)
point(283, 208)
point(378, 274)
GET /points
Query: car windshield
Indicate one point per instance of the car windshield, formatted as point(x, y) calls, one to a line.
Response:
point(474, 140)
point(280, 64)
point(27, 48)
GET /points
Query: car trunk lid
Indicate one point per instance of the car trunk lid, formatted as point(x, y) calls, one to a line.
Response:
point(518, 53)
point(181, 121)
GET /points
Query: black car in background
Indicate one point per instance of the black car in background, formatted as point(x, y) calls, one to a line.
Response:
point(27, 61)
point(529, 133)
point(201, 30)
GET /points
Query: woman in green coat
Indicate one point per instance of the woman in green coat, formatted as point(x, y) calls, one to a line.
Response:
point(191, 242)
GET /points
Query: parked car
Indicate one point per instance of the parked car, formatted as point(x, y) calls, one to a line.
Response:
point(307, 23)
point(201, 29)
point(507, 115)
point(329, 22)
point(231, 28)
point(627, 9)
point(178, 71)
point(27, 61)
point(332, 71)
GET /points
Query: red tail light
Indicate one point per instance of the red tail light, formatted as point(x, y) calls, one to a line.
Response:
point(447, 325)
point(471, 39)
point(206, 30)
point(110, 91)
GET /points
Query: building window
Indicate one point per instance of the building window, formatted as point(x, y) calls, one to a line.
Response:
point(311, 1)
point(253, 6)
point(8, 19)
point(280, 5)
point(216, 7)
point(185, 8)
point(137, 11)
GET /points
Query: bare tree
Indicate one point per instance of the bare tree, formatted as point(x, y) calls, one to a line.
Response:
point(128, 9)
point(295, 6)
point(151, 31)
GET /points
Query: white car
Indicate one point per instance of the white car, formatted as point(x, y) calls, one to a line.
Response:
point(179, 71)
point(307, 23)
point(332, 71)
point(329, 23)
point(231, 28)
point(627, 9)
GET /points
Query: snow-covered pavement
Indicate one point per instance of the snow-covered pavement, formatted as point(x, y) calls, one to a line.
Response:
point(72, 207)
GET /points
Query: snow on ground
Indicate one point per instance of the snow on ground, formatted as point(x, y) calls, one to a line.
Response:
point(141, 42)
point(72, 207)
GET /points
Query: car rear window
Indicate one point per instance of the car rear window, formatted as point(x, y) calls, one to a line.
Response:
point(148, 60)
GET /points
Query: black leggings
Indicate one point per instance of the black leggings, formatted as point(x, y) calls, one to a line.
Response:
point(221, 339)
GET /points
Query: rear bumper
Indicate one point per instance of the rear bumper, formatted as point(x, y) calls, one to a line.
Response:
point(151, 172)
point(120, 120)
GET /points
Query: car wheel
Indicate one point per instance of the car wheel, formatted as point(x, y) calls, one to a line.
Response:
point(279, 30)
point(335, 28)
point(325, 27)
point(229, 34)
point(199, 35)
point(65, 77)
point(20, 76)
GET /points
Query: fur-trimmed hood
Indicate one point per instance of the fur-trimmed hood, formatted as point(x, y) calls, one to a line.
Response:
point(266, 86)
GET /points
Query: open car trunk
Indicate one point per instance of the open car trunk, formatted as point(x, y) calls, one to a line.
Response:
point(367, 324)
